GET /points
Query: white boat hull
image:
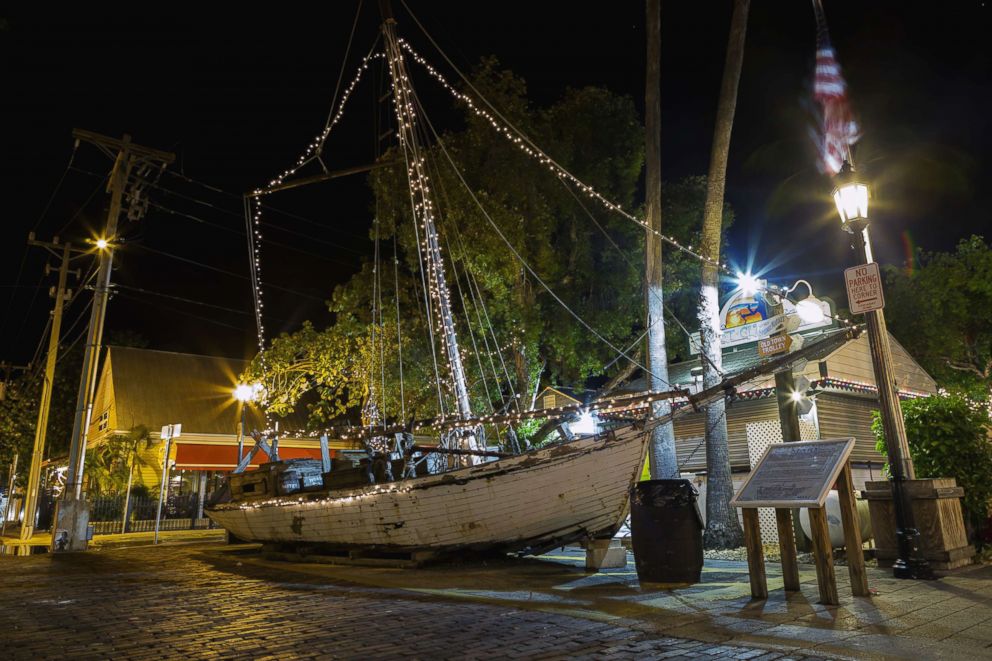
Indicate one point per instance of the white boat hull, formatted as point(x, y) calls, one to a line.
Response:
point(531, 502)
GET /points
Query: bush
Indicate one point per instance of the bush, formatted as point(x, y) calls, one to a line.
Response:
point(948, 437)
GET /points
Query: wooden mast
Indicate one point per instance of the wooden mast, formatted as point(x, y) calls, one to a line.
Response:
point(423, 212)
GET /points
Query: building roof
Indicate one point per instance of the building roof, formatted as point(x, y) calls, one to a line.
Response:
point(850, 364)
point(156, 388)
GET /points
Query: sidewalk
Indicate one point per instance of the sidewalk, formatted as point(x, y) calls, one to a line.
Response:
point(949, 618)
point(117, 540)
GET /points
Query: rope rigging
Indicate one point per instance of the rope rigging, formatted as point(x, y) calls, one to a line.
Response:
point(416, 132)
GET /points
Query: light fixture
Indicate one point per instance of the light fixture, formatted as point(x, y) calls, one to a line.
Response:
point(245, 392)
point(748, 284)
point(809, 310)
point(851, 198)
point(102, 244)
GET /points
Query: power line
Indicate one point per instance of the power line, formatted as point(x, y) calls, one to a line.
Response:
point(229, 212)
point(266, 207)
point(208, 223)
point(240, 276)
point(181, 299)
point(160, 306)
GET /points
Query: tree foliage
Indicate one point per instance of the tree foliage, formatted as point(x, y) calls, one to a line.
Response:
point(513, 333)
point(949, 437)
point(942, 313)
point(109, 463)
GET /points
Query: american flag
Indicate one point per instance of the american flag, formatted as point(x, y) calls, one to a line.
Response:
point(838, 130)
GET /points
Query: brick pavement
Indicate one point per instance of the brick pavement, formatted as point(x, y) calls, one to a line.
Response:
point(206, 602)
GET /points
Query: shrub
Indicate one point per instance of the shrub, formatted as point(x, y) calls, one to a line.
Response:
point(948, 437)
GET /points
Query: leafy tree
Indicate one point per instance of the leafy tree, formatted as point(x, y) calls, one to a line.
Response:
point(109, 464)
point(18, 415)
point(949, 437)
point(513, 333)
point(942, 313)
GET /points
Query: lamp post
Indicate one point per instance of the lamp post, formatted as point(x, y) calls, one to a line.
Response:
point(245, 393)
point(851, 197)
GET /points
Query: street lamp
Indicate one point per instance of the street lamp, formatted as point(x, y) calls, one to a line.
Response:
point(244, 393)
point(851, 197)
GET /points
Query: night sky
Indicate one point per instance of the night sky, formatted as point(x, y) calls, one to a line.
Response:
point(237, 96)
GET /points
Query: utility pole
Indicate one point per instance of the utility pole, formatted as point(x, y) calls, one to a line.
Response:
point(72, 515)
point(34, 472)
point(661, 455)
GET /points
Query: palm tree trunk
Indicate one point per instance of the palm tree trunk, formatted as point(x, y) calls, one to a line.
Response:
point(722, 527)
point(661, 456)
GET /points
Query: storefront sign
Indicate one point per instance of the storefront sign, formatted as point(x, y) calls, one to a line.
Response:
point(745, 319)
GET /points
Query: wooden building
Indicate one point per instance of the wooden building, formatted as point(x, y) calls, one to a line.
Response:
point(842, 388)
point(148, 388)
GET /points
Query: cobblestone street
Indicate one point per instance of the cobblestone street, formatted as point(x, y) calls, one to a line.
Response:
point(209, 601)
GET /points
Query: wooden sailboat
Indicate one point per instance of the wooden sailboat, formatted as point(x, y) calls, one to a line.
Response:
point(532, 502)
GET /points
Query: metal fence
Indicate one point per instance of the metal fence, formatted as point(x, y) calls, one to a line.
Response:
point(178, 513)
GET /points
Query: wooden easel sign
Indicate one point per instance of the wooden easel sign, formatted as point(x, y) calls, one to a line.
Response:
point(793, 475)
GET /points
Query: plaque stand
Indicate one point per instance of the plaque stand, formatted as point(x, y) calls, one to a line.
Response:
point(826, 577)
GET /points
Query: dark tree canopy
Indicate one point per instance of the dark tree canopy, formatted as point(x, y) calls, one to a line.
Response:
point(514, 335)
point(942, 313)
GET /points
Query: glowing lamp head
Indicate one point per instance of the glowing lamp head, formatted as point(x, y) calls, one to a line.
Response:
point(102, 244)
point(748, 284)
point(809, 310)
point(851, 197)
point(796, 396)
point(245, 392)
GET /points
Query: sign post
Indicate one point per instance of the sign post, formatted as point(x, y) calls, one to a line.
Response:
point(168, 433)
point(792, 475)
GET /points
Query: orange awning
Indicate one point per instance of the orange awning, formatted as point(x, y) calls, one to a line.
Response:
point(203, 457)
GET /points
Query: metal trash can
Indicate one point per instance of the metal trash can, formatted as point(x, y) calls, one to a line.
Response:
point(666, 531)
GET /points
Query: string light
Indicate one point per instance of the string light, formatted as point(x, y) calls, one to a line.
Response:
point(528, 148)
point(317, 144)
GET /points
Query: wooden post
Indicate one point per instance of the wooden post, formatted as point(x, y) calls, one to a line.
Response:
point(826, 579)
point(787, 545)
point(755, 554)
point(852, 533)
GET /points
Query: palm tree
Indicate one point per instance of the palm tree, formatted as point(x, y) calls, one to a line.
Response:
point(110, 465)
point(722, 528)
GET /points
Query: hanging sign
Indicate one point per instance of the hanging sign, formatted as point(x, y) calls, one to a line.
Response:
point(770, 346)
point(864, 288)
point(745, 319)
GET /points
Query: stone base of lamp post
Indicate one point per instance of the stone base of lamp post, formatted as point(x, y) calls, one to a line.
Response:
point(936, 506)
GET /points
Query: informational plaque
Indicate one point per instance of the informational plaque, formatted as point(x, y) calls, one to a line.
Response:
point(864, 288)
point(795, 474)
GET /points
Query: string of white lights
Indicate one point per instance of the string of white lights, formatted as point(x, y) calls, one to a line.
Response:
point(315, 145)
point(524, 144)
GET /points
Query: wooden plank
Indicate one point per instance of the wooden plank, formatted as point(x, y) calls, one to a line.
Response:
point(823, 557)
point(755, 554)
point(852, 533)
point(787, 546)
